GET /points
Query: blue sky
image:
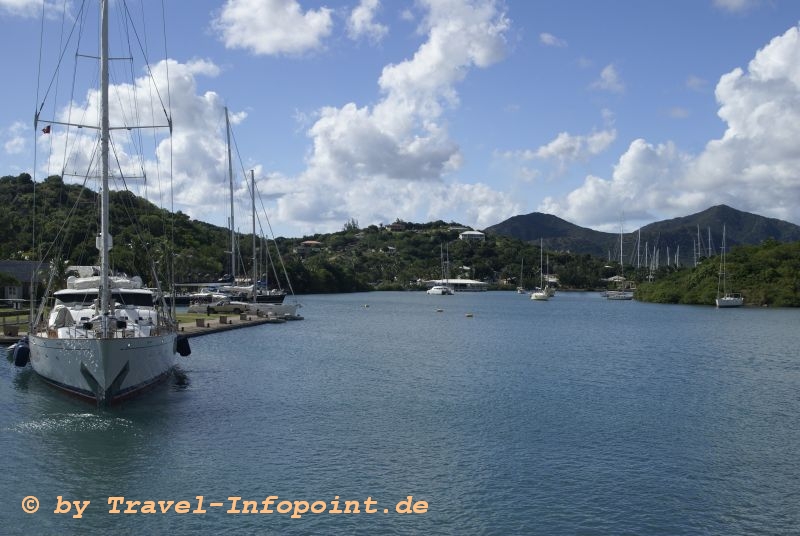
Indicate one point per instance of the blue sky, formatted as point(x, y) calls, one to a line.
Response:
point(462, 110)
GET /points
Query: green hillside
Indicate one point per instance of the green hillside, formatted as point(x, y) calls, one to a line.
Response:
point(400, 256)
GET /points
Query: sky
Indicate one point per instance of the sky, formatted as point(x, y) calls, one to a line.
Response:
point(603, 113)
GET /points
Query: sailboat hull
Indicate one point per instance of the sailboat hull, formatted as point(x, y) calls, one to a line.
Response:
point(103, 370)
point(730, 301)
point(279, 310)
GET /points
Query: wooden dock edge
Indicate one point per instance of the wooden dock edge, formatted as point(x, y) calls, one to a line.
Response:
point(190, 329)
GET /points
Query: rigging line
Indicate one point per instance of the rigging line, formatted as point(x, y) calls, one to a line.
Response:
point(61, 56)
point(31, 317)
point(58, 251)
point(136, 137)
point(169, 104)
point(280, 257)
point(146, 61)
point(269, 225)
point(152, 119)
point(272, 264)
point(72, 100)
point(244, 173)
point(125, 187)
point(60, 46)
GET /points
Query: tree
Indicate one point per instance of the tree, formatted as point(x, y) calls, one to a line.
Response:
point(351, 225)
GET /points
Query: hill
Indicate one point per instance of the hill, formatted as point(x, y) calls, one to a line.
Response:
point(398, 256)
point(698, 234)
point(556, 234)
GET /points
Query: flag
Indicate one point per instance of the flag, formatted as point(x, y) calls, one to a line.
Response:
point(46, 129)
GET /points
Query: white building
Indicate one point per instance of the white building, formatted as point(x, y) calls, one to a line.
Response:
point(476, 236)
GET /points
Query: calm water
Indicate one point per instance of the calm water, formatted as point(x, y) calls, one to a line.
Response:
point(573, 416)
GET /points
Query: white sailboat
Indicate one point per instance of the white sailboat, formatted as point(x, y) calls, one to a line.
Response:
point(724, 298)
point(442, 289)
point(282, 311)
point(107, 337)
point(541, 293)
point(625, 291)
point(521, 287)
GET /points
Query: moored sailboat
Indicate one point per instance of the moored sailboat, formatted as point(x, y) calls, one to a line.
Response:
point(541, 293)
point(724, 298)
point(106, 336)
point(279, 310)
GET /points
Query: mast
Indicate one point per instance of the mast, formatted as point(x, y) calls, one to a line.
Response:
point(104, 240)
point(638, 243)
point(230, 179)
point(722, 265)
point(541, 259)
point(255, 265)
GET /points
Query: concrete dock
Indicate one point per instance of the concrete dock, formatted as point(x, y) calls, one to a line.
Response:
point(200, 326)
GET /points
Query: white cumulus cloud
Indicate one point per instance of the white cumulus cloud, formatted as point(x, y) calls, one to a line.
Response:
point(15, 138)
point(754, 166)
point(272, 27)
point(361, 22)
point(377, 163)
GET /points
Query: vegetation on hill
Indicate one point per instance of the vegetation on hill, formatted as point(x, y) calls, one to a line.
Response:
point(766, 275)
point(400, 256)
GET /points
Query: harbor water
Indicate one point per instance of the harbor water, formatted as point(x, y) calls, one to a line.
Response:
point(484, 413)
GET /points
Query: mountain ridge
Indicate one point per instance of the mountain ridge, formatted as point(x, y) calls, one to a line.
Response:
point(696, 234)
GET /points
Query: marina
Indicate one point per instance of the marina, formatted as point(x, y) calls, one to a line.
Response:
point(386, 395)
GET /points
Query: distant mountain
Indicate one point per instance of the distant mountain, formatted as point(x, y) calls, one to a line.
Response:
point(701, 233)
point(557, 234)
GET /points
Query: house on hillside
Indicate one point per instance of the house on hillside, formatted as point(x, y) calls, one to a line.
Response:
point(307, 247)
point(472, 236)
point(16, 281)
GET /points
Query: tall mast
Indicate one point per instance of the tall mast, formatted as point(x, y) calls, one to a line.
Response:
point(255, 265)
point(638, 243)
point(104, 242)
point(541, 258)
point(230, 179)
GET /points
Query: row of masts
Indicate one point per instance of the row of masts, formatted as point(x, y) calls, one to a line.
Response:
point(651, 257)
point(231, 221)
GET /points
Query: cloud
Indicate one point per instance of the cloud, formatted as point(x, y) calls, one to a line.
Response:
point(33, 8)
point(641, 180)
point(754, 166)
point(392, 159)
point(551, 40)
point(609, 80)
point(566, 149)
point(197, 151)
point(735, 6)
point(677, 112)
point(373, 162)
point(272, 27)
point(696, 83)
point(15, 141)
point(362, 24)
